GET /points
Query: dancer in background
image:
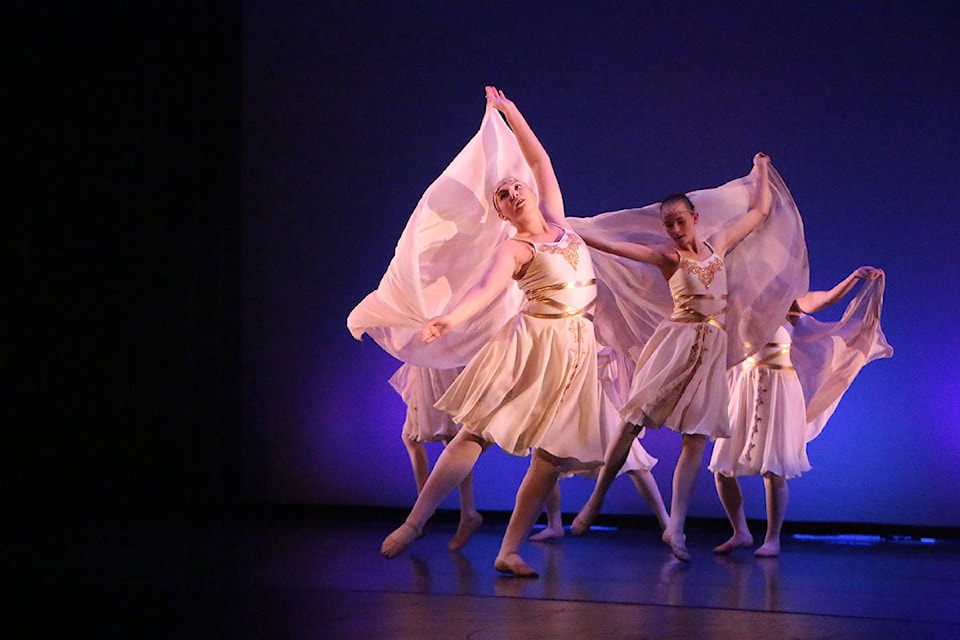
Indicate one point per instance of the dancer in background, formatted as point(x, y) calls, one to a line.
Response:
point(533, 386)
point(680, 376)
point(771, 419)
point(420, 388)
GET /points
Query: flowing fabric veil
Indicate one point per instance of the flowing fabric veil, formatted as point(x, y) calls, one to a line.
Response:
point(766, 271)
point(446, 247)
point(829, 355)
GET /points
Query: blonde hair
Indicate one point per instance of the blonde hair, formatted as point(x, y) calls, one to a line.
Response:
point(496, 188)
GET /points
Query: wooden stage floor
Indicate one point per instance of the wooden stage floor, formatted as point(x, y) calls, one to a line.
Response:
point(306, 574)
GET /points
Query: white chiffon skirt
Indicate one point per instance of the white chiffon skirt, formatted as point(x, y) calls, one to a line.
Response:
point(534, 386)
point(768, 415)
point(681, 382)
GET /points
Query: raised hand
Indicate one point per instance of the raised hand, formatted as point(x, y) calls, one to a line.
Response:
point(498, 100)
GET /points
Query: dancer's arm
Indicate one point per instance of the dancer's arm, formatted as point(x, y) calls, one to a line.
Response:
point(510, 256)
point(660, 256)
point(548, 188)
point(814, 301)
point(760, 201)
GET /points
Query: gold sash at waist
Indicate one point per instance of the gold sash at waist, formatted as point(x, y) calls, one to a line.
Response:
point(565, 311)
point(680, 302)
point(782, 349)
point(769, 345)
point(756, 364)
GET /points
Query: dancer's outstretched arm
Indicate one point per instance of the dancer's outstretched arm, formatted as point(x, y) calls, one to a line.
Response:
point(658, 255)
point(814, 301)
point(511, 255)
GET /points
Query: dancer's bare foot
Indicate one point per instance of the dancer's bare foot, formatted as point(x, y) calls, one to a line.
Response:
point(469, 523)
point(549, 533)
point(735, 542)
point(513, 564)
point(770, 549)
point(398, 541)
point(581, 524)
point(678, 545)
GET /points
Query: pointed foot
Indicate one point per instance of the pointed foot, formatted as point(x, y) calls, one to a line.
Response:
point(398, 541)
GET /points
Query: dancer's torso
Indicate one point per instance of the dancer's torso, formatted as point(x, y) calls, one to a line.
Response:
point(699, 290)
point(559, 282)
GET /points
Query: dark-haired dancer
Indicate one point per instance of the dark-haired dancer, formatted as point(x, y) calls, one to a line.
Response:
point(770, 415)
point(680, 378)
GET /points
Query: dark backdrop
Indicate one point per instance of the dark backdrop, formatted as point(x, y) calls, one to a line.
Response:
point(124, 238)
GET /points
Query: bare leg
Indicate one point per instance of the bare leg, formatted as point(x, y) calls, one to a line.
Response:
point(554, 518)
point(418, 461)
point(646, 484)
point(470, 518)
point(613, 461)
point(541, 478)
point(684, 479)
point(452, 467)
point(777, 498)
point(728, 490)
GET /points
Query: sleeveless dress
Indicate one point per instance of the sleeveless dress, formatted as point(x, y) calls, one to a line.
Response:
point(782, 397)
point(680, 380)
point(420, 388)
point(767, 415)
point(535, 384)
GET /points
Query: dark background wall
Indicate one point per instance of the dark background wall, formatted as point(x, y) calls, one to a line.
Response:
point(201, 192)
point(124, 238)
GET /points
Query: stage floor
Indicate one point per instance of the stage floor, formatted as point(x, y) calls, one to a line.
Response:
point(277, 574)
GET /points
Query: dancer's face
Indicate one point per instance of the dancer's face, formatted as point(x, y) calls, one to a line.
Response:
point(680, 222)
point(513, 197)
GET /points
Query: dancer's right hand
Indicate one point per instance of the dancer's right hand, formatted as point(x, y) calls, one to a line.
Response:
point(434, 328)
point(497, 99)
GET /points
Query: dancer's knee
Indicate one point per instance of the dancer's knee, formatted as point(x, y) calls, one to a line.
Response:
point(465, 437)
point(694, 442)
point(546, 460)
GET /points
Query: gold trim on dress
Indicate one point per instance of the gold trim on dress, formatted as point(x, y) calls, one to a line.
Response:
point(768, 365)
point(566, 311)
point(570, 251)
point(704, 273)
point(557, 287)
point(680, 302)
point(782, 349)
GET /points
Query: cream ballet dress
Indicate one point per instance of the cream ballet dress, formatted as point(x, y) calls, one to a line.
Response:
point(534, 385)
point(767, 415)
point(680, 381)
